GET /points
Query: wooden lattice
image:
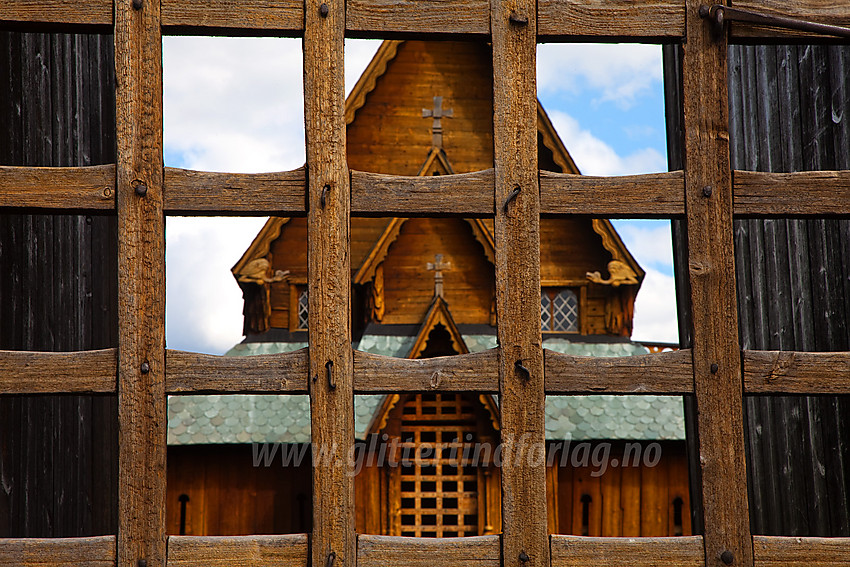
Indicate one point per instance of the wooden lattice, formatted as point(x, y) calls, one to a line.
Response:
point(707, 193)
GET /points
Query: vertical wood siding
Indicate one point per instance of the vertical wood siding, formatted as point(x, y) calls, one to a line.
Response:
point(57, 288)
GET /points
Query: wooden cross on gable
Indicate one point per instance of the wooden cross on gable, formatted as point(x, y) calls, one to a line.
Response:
point(437, 113)
point(438, 266)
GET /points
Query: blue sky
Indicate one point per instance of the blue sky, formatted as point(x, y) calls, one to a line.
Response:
point(235, 104)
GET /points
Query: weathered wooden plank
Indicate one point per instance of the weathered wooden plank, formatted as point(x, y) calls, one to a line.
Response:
point(476, 372)
point(194, 372)
point(188, 191)
point(27, 372)
point(714, 310)
point(517, 235)
point(78, 188)
point(654, 194)
point(684, 551)
point(386, 551)
point(774, 372)
point(820, 11)
point(662, 373)
point(814, 551)
point(261, 15)
point(376, 18)
point(142, 415)
point(462, 194)
point(255, 550)
point(91, 12)
point(39, 552)
point(329, 286)
point(816, 193)
point(619, 19)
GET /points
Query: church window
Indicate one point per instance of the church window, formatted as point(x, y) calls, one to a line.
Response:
point(558, 310)
point(303, 308)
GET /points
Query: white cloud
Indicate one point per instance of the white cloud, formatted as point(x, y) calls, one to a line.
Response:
point(595, 157)
point(655, 309)
point(203, 301)
point(649, 241)
point(614, 72)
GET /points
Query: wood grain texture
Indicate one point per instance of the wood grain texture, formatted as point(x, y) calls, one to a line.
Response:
point(819, 11)
point(662, 373)
point(684, 551)
point(194, 372)
point(92, 12)
point(714, 309)
point(771, 551)
point(816, 193)
point(775, 372)
point(255, 550)
point(329, 286)
point(517, 238)
point(461, 194)
point(39, 552)
point(477, 372)
point(285, 16)
point(654, 194)
point(188, 191)
point(78, 188)
point(142, 416)
point(375, 18)
point(390, 551)
point(611, 19)
point(26, 372)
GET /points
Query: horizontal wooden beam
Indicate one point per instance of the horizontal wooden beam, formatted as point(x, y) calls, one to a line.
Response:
point(476, 372)
point(662, 373)
point(611, 19)
point(73, 12)
point(819, 11)
point(192, 372)
point(772, 551)
point(462, 194)
point(822, 193)
point(188, 191)
point(78, 551)
point(650, 195)
point(786, 372)
point(378, 18)
point(684, 551)
point(286, 16)
point(87, 371)
point(77, 188)
point(254, 550)
point(390, 551)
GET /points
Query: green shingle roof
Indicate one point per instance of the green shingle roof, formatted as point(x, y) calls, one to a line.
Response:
point(199, 419)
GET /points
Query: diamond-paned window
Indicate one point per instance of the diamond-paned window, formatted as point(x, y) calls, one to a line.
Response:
point(558, 310)
point(303, 309)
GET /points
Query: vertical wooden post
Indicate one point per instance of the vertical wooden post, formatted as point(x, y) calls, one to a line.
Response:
point(329, 286)
point(141, 284)
point(517, 202)
point(716, 352)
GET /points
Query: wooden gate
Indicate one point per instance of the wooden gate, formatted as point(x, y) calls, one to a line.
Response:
point(140, 192)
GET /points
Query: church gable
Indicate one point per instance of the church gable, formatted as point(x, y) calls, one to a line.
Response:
point(409, 285)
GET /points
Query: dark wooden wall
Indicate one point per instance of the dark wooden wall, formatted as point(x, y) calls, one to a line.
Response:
point(58, 458)
point(789, 111)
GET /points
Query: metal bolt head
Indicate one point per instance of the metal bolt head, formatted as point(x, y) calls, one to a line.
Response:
point(324, 10)
point(707, 191)
point(704, 11)
point(727, 557)
point(145, 368)
point(714, 368)
point(517, 19)
point(137, 5)
point(141, 189)
point(523, 556)
point(142, 563)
